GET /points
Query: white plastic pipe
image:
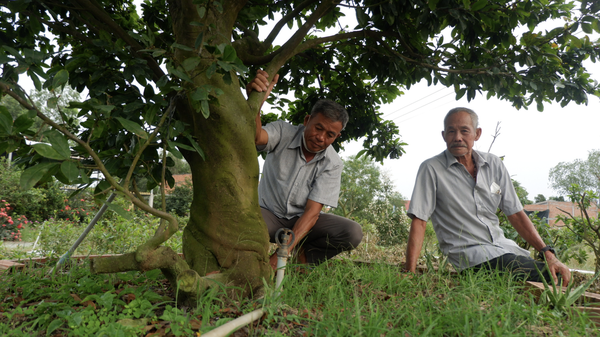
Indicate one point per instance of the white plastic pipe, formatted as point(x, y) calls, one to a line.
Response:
point(237, 323)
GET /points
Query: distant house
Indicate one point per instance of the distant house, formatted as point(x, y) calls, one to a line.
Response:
point(550, 209)
point(179, 180)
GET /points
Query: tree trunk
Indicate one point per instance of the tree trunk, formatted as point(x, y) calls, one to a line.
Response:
point(226, 231)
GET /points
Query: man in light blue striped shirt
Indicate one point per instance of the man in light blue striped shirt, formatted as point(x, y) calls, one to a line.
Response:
point(301, 174)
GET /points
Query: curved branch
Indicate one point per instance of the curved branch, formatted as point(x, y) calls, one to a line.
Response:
point(290, 16)
point(289, 48)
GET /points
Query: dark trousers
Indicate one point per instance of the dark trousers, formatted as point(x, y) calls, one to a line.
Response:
point(523, 267)
point(330, 235)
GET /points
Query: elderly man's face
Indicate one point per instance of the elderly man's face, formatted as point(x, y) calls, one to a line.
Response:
point(320, 132)
point(460, 135)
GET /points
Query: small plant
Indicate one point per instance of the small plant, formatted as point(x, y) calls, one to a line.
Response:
point(561, 301)
point(10, 228)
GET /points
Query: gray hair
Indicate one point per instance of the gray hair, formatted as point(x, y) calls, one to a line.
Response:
point(331, 110)
point(474, 117)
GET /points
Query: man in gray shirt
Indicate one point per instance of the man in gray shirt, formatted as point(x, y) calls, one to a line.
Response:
point(461, 189)
point(301, 174)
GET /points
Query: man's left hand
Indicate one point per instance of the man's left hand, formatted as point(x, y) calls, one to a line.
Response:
point(555, 267)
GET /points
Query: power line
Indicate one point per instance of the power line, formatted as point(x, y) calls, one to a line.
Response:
point(430, 102)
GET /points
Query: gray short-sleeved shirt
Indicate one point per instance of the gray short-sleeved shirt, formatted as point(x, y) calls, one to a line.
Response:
point(463, 212)
point(288, 181)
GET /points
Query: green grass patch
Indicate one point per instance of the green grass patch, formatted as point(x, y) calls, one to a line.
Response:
point(339, 298)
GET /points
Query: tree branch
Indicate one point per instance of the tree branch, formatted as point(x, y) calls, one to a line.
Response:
point(290, 16)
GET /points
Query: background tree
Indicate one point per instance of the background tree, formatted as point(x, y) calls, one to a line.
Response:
point(521, 193)
point(169, 78)
point(539, 198)
point(560, 198)
point(585, 173)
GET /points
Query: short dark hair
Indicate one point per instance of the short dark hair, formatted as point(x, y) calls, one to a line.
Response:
point(474, 117)
point(331, 110)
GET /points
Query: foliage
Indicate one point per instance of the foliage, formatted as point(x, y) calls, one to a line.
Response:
point(52, 103)
point(367, 195)
point(348, 299)
point(115, 235)
point(561, 301)
point(563, 241)
point(585, 173)
point(11, 227)
point(521, 193)
point(585, 227)
point(180, 199)
point(559, 198)
point(539, 198)
point(37, 204)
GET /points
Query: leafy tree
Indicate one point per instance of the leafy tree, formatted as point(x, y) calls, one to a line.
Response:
point(361, 185)
point(585, 173)
point(585, 227)
point(367, 195)
point(539, 198)
point(169, 80)
point(521, 193)
point(560, 198)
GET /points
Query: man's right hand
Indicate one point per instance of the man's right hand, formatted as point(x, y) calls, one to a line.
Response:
point(261, 83)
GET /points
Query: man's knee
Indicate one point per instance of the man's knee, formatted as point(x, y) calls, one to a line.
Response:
point(355, 234)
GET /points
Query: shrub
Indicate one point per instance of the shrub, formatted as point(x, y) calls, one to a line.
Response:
point(180, 200)
point(10, 229)
point(115, 235)
point(37, 204)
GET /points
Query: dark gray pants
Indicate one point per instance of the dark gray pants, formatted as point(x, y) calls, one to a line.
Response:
point(523, 267)
point(330, 235)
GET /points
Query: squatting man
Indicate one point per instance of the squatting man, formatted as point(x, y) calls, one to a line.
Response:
point(460, 189)
point(301, 174)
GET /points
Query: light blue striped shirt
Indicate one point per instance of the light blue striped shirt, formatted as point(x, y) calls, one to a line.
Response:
point(288, 181)
point(462, 211)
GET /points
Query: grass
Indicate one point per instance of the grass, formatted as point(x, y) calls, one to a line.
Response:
point(339, 298)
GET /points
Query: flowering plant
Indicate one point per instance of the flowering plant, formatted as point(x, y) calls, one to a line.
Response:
point(10, 228)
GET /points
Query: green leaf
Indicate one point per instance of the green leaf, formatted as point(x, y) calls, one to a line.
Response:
point(52, 102)
point(70, 170)
point(191, 63)
point(181, 46)
point(61, 77)
point(211, 70)
point(5, 59)
point(59, 143)
point(196, 146)
point(229, 54)
point(6, 121)
point(119, 210)
point(479, 5)
point(163, 81)
point(133, 127)
point(432, 4)
point(104, 108)
point(204, 107)
point(200, 94)
point(32, 175)
point(55, 324)
point(22, 123)
point(180, 145)
point(201, 11)
point(47, 151)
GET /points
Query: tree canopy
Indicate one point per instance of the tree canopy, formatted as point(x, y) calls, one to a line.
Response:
point(169, 78)
point(585, 173)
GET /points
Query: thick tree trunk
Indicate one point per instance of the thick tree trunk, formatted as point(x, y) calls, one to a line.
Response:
point(226, 231)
